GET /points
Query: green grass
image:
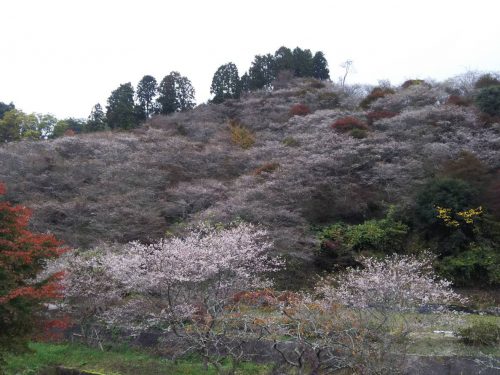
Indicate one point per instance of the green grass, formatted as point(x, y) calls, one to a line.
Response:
point(116, 362)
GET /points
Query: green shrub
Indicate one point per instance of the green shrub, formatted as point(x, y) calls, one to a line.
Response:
point(358, 133)
point(450, 193)
point(488, 100)
point(328, 100)
point(479, 265)
point(291, 142)
point(481, 333)
point(437, 210)
point(385, 235)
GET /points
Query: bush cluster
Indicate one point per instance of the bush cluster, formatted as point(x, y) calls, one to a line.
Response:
point(379, 115)
point(376, 93)
point(300, 110)
point(461, 101)
point(488, 100)
point(266, 168)
point(413, 82)
point(349, 123)
point(341, 242)
point(241, 136)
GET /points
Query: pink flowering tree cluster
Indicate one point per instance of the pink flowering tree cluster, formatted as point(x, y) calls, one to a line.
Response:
point(179, 284)
point(357, 320)
point(397, 282)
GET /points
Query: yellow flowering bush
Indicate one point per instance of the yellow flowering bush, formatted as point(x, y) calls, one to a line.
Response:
point(450, 219)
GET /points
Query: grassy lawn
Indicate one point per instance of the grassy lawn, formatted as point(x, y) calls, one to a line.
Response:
point(116, 362)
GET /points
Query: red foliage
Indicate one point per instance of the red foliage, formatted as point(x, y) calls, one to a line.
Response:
point(379, 115)
point(53, 330)
point(348, 123)
point(22, 257)
point(300, 110)
point(266, 168)
point(458, 100)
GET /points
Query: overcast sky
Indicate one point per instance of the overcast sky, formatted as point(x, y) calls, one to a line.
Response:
point(62, 57)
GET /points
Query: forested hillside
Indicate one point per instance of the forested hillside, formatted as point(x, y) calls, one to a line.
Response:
point(330, 170)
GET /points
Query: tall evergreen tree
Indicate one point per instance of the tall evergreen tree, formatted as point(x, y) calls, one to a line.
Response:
point(262, 72)
point(146, 92)
point(167, 99)
point(176, 93)
point(185, 94)
point(302, 62)
point(320, 66)
point(225, 83)
point(121, 112)
point(283, 58)
point(96, 120)
point(245, 83)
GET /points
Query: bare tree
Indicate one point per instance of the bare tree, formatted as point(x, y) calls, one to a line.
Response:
point(346, 65)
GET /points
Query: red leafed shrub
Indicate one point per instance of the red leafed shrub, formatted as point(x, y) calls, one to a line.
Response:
point(22, 257)
point(379, 115)
point(376, 93)
point(458, 100)
point(300, 110)
point(53, 330)
point(266, 168)
point(349, 123)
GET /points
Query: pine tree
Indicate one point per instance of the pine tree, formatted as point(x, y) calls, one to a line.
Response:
point(121, 112)
point(96, 120)
point(283, 58)
point(320, 66)
point(225, 83)
point(146, 92)
point(176, 93)
point(262, 72)
point(302, 62)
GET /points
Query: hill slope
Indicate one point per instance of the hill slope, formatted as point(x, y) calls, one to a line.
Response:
point(299, 173)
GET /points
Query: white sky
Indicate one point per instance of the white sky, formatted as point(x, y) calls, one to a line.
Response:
point(64, 56)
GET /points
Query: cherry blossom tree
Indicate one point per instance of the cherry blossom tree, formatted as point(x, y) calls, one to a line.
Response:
point(180, 284)
point(397, 282)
